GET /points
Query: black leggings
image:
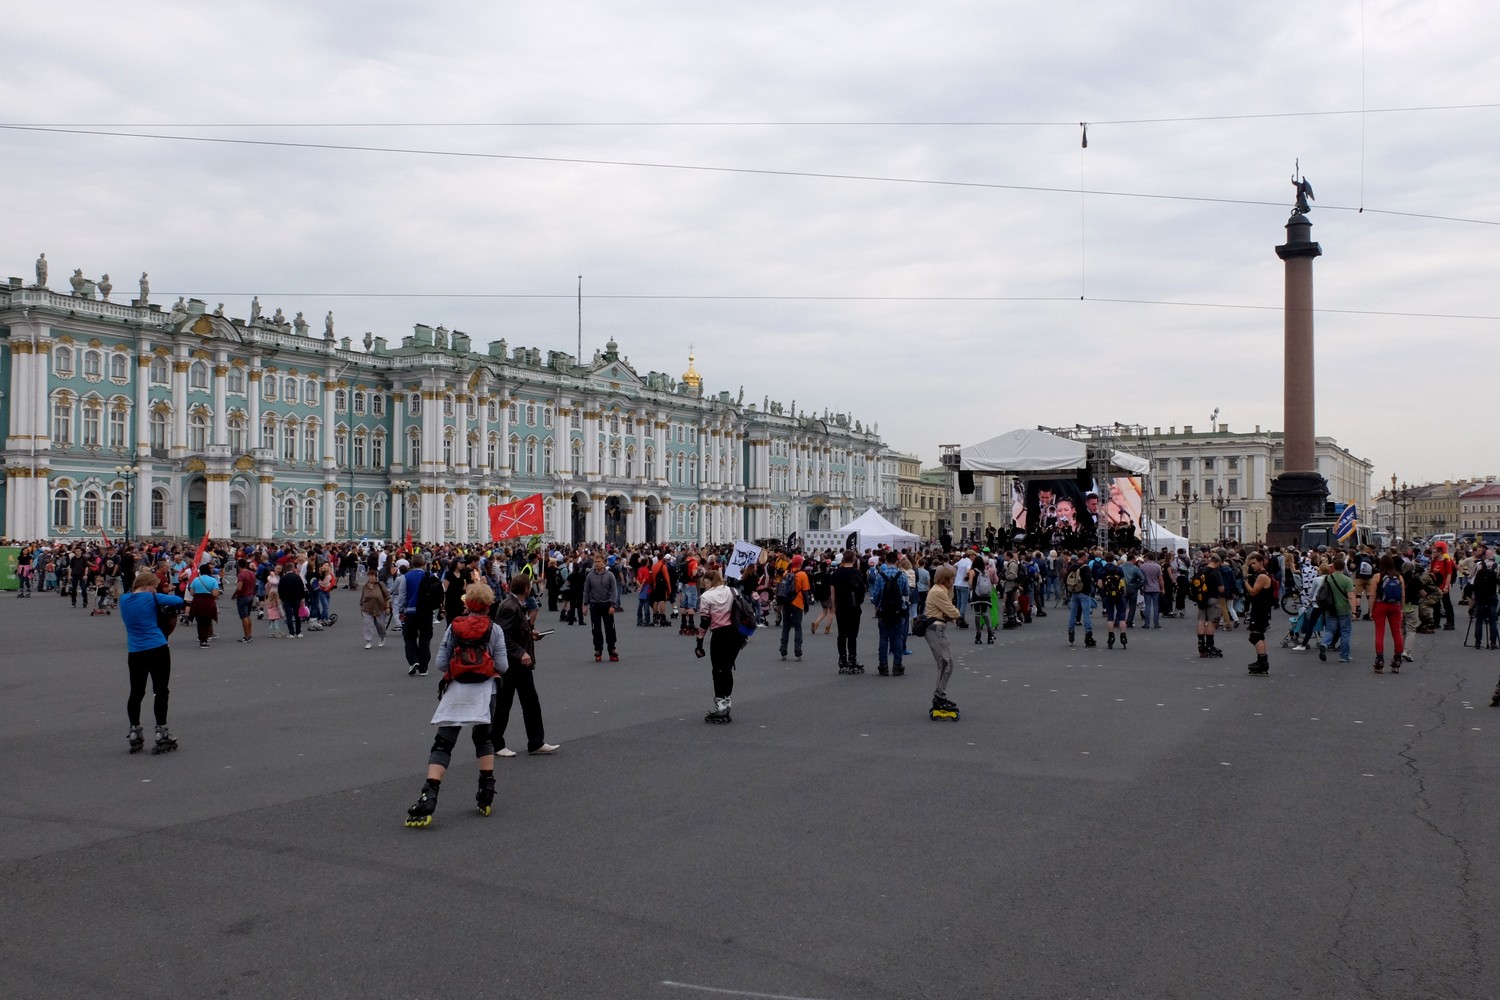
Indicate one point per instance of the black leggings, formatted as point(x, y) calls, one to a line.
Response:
point(157, 665)
point(848, 623)
point(724, 645)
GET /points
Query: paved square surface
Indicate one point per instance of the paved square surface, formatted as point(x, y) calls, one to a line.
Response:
point(1101, 823)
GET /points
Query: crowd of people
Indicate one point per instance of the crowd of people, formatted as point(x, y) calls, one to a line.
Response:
point(932, 594)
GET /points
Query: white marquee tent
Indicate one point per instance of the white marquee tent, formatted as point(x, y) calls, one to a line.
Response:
point(875, 531)
point(1037, 453)
point(1157, 537)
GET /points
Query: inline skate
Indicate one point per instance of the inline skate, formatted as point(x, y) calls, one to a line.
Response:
point(942, 708)
point(720, 714)
point(164, 741)
point(485, 797)
point(137, 740)
point(420, 814)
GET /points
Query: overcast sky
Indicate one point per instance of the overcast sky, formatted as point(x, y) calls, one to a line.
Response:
point(952, 311)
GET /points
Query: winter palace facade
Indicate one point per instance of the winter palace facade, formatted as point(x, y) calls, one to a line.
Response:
point(138, 420)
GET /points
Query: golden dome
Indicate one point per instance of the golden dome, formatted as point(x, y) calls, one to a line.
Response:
point(691, 378)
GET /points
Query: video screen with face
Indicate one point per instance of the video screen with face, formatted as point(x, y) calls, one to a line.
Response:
point(1042, 507)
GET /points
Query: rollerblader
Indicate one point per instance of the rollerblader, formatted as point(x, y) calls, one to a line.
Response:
point(982, 591)
point(716, 621)
point(1389, 591)
point(1112, 589)
point(1262, 595)
point(1204, 588)
point(1079, 584)
point(846, 589)
point(148, 656)
point(470, 658)
point(941, 612)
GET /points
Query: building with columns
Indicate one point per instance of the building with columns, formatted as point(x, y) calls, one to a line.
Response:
point(136, 420)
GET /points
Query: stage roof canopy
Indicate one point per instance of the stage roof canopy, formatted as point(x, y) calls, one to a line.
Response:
point(1036, 453)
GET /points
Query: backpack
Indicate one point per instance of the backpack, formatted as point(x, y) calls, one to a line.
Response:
point(429, 593)
point(1075, 580)
point(892, 604)
point(982, 585)
point(743, 615)
point(471, 661)
point(1390, 589)
point(1113, 584)
point(1325, 600)
point(1198, 587)
point(786, 589)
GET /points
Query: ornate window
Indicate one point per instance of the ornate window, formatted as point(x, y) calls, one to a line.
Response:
point(448, 449)
point(448, 405)
point(340, 400)
point(91, 423)
point(62, 508)
point(198, 376)
point(614, 459)
point(90, 518)
point(413, 450)
point(448, 516)
point(361, 506)
point(117, 428)
point(93, 368)
point(377, 403)
point(630, 462)
point(341, 516)
point(471, 517)
point(513, 414)
point(531, 450)
point(547, 449)
point(377, 453)
point(575, 420)
point(268, 388)
point(513, 452)
point(310, 449)
point(649, 470)
point(360, 449)
point(289, 514)
point(473, 450)
point(494, 411)
point(239, 437)
point(289, 441)
point(577, 456)
point(119, 367)
point(414, 404)
point(158, 509)
point(62, 362)
point(289, 389)
point(158, 426)
point(267, 434)
point(547, 417)
point(310, 395)
point(359, 402)
point(234, 382)
point(310, 514)
point(492, 451)
point(341, 447)
point(62, 420)
point(531, 414)
point(117, 510)
point(157, 373)
point(197, 441)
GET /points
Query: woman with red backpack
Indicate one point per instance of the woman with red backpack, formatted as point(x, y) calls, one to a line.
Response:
point(470, 659)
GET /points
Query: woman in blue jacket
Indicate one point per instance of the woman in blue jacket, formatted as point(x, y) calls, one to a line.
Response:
point(148, 656)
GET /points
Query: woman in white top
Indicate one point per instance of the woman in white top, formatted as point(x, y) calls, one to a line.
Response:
point(716, 621)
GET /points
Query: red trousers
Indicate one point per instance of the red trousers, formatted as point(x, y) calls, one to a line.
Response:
point(1386, 612)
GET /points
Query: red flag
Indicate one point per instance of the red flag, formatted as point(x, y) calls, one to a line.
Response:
point(198, 556)
point(516, 519)
point(406, 546)
point(102, 535)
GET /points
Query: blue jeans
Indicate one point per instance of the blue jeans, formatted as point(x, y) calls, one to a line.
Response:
point(643, 609)
point(891, 640)
point(319, 608)
point(1341, 624)
point(961, 601)
point(791, 622)
point(689, 597)
point(1081, 609)
point(1151, 613)
point(1486, 614)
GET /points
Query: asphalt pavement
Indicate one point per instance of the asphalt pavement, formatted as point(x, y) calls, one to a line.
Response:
point(1100, 823)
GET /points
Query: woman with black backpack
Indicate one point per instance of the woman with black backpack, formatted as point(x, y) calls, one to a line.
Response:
point(718, 621)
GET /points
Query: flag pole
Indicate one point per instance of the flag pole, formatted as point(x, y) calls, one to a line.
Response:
point(580, 319)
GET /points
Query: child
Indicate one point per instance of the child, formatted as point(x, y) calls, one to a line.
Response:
point(472, 653)
point(101, 595)
point(273, 603)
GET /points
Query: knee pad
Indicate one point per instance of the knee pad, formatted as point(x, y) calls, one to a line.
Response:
point(442, 750)
point(485, 747)
point(1256, 637)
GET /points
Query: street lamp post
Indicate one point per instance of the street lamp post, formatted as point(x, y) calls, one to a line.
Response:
point(1400, 498)
point(1219, 502)
point(1186, 501)
point(129, 474)
point(399, 488)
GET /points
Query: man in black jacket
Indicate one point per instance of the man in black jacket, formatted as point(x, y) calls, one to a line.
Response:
point(520, 649)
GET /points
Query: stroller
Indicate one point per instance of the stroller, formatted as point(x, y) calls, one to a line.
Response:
point(1302, 626)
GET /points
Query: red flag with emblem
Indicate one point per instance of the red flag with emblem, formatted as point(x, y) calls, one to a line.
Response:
point(198, 556)
point(517, 519)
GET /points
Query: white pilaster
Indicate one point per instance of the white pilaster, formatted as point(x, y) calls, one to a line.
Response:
point(143, 407)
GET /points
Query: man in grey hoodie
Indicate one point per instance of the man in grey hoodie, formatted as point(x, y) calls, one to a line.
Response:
point(601, 592)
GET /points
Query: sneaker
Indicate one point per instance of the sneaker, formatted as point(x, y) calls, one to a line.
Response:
point(545, 748)
point(413, 671)
point(367, 645)
point(380, 643)
point(422, 672)
point(1322, 652)
point(243, 639)
point(505, 752)
point(202, 645)
point(614, 657)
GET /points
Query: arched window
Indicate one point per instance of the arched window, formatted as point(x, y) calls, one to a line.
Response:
point(359, 403)
point(90, 515)
point(473, 450)
point(62, 362)
point(268, 433)
point(377, 518)
point(310, 514)
point(547, 457)
point(157, 373)
point(681, 479)
point(311, 451)
point(614, 459)
point(448, 449)
point(531, 456)
point(159, 426)
point(575, 420)
point(513, 414)
point(62, 420)
point(414, 404)
point(310, 395)
point(117, 510)
point(547, 417)
point(361, 449)
point(198, 376)
point(448, 405)
point(448, 516)
point(576, 456)
point(492, 451)
point(93, 365)
point(341, 447)
point(614, 422)
point(630, 462)
point(649, 470)
point(494, 411)
point(377, 455)
point(513, 452)
point(377, 404)
point(531, 414)
point(289, 514)
point(413, 450)
point(289, 389)
point(471, 518)
point(239, 440)
point(268, 387)
point(289, 441)
point(361, 507)
point(119, 367)
point(62, 509)
point(340, 401)
point(197, 441)
point(234, 382)
point(158, 509)
point(340, 516)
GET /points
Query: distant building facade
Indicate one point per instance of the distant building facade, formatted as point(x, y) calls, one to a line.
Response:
point(128, 418)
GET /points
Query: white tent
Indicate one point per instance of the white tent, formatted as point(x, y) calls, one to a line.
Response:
point(1025, 452)
point(875, 530)
point(1157, 537)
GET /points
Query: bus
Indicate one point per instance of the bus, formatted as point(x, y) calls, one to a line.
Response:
point(1315, 533)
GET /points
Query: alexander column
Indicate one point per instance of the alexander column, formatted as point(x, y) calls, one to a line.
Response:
point(1299, 492)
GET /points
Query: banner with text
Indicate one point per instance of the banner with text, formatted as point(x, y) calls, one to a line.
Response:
point(819, 539)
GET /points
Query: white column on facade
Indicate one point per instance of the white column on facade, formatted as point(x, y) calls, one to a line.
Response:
point(216, 505)
point(596, 518)
point(590, 441)
point(396, 455)
point(220, 372)
point(504, 456)
point(329, 417)
point(461, 433)
point(265, 504)
point(482, 415)
point(637, 529)
point(330, 500)
point(179, 403)
point(143, 405)
point(661, 448)
point(432, 438)
point(252, 415)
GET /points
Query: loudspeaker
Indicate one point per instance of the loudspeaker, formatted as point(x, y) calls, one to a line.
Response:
point(966, 483)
